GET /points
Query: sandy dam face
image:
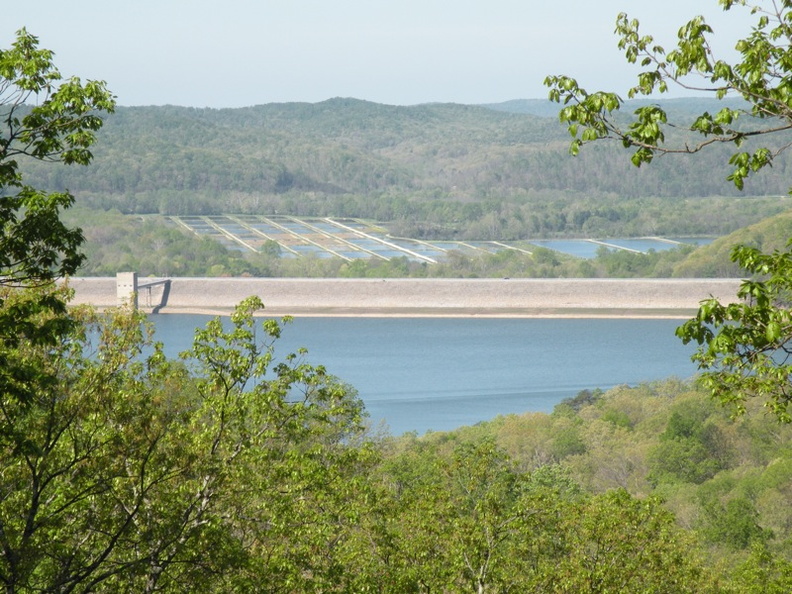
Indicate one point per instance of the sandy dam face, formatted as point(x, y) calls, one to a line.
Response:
point(419, 297)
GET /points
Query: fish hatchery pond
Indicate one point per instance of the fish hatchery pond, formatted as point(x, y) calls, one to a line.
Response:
point(351, 239)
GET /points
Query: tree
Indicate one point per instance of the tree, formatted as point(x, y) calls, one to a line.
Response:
point(48, 118)
point(125, 471)
point(614, 542)
point(744, 347)
point(42, 117)
point(459, 516)
point(734, 524)
point(763, 573)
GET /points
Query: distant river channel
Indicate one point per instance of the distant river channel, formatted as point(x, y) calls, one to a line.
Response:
point(421, 374)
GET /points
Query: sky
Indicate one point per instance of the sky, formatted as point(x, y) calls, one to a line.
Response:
point(236, 53)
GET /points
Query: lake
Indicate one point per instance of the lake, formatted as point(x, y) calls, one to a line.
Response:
point(420, 374)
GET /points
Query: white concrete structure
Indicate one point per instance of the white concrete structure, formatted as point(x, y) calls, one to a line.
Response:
point(126, 288)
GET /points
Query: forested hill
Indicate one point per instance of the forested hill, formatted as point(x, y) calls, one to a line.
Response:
point(347, 157)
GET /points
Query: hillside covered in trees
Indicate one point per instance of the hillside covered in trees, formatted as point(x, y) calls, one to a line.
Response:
point(437, 170)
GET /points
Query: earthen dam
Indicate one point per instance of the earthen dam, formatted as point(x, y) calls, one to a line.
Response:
point(678, 298)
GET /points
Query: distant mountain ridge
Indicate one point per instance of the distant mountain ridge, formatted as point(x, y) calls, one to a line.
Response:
point(539, 107)
point(677, 106)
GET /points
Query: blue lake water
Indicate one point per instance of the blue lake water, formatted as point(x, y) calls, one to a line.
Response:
point(420, 374)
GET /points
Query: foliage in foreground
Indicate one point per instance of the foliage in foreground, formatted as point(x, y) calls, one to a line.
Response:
point(42, 118)
point(233, 469)
point(125, 471)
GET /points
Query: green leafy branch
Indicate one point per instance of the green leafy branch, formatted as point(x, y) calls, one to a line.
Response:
point(760, 78)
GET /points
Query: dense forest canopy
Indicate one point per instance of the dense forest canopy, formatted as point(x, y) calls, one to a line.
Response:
point(356, 158)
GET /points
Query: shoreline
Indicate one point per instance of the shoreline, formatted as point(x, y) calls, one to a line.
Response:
point(649, 314)
point(416, 298)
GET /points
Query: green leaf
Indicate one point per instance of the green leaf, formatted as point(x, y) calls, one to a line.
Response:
point(773, 331)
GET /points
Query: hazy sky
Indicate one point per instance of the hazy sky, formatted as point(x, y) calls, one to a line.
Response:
point(402, 52)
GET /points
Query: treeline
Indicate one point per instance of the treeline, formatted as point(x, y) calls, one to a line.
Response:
point(447, 164)
point(538, 215)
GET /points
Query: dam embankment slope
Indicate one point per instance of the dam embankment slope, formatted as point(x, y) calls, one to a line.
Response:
point(421, 297)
